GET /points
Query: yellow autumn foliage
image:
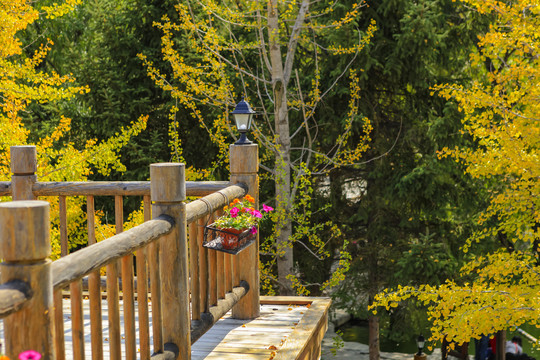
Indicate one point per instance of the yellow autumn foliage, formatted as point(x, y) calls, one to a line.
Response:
point(21, 83)
point(501, 112)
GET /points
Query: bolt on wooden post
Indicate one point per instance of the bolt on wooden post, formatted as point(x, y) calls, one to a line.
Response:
point(168, 192)
point(25, 245)
point(244, 169)
point(23, 167)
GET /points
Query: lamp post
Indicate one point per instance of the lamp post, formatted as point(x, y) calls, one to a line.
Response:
point(243, 114)
point(420, 342)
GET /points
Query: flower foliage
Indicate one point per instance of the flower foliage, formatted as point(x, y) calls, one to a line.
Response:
point(241, 214)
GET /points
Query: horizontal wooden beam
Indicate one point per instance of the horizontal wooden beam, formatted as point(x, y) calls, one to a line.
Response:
point(13, 295)
point(170, 352)
point(210, 203)
point(304, 341)
point(5, 188)
point(199, 327)
point(111, 188)
point(80, 263)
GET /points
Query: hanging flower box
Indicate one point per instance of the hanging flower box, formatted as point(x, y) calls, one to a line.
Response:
point(237, 228)
point(228, 240)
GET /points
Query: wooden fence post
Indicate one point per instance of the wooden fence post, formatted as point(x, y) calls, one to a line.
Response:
point(244, 168)
point(168, 191)
point(23, 167)
point(24, 240)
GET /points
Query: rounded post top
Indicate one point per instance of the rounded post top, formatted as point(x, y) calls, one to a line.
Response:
point(23, 159)
point(25, 230)
point(167, 182)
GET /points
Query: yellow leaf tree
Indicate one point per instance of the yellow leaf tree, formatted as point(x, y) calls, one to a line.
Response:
point(22, 83)
point(285, 57)
point(501, 111)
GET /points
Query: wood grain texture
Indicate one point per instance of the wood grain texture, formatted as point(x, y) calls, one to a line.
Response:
point(244, 160)
point(25, 226)
point(208, 319)
point(23, 159)
point(62, 206)
point(129, 306)
point(304, 342)
point(59, 344)
point(168, 193)
point(77, 318)
point(142, 290)
point(5, 188)
point(93, 257)
point(13, 295)
point(113, 311)
point(203, 267)
point(200, 207)
point(111, 188)
point(94, 289)
point(24, 234)
point(194, 271)
point(23, 167)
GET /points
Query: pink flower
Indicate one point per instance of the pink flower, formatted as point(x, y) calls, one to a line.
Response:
point(29, 355)
point(253, 230)
point(234, 212)
point(256, 213)
point(267, 208)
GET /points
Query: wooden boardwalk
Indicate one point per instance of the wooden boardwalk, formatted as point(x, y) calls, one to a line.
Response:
point(227, 339)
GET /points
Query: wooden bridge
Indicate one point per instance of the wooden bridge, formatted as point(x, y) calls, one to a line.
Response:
point(185, 302)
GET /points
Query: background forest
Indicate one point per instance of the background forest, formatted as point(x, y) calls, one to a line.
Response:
point(398, 138)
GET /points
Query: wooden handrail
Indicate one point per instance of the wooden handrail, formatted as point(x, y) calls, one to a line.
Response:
point(208, 319)
point(13, 295)
point(109, 188)
point(78, 264)
point(201, 207)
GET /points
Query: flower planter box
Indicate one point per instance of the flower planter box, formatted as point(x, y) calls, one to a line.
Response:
point(231, 241)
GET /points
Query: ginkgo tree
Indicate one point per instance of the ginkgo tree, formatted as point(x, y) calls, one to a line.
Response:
point(23, 83)
point(286, 58)
point(501, 112)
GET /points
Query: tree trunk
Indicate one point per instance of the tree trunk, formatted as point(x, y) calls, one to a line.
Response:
point(374, 350)
point(285, 259)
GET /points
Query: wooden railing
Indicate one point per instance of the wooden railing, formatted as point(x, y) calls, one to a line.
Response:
point(209, 282)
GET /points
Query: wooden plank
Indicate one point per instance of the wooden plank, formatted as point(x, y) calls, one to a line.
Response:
point(220, 275)
point(114, 311)
point(77, 317)
point(94, 289)
point(203, 268)
point(212, 277)
point(59, 343)
point(142, 291)
point(200, 208)
point(91, 258)
point(13, 295)
point(155, 288)
point(129, 306)
point(227, 269)
point(62, 205)
point(113, 188)
point(301, 339)
point(194, 271)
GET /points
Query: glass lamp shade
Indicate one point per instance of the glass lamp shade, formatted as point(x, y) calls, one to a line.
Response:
point(243, 121)
point(242, 116)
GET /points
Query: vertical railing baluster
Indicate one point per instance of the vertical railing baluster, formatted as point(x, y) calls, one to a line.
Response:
point(203, 266)
point(212, 273)
point(194, 271)
point(94, 289)
point(77, 324)
point(142, 292)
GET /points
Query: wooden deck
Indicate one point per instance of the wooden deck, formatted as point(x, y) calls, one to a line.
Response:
point(288, 328)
